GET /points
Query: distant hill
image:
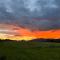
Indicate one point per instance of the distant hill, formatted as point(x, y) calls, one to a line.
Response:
point(34, 40)
point(45, 40)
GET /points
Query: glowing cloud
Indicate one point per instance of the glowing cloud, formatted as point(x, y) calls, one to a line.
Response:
point(14, 32)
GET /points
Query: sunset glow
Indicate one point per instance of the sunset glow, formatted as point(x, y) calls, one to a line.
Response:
point(14, 32)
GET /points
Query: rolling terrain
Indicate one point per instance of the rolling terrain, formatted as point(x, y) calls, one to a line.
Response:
point(29, 50)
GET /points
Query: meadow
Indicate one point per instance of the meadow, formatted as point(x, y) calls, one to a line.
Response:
point(15, 50)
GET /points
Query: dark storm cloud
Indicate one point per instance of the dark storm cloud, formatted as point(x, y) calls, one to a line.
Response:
point(12, 11)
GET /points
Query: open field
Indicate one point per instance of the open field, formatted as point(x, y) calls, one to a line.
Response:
point(12, 50)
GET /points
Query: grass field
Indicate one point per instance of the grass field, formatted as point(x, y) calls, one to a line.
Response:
point(30, 50)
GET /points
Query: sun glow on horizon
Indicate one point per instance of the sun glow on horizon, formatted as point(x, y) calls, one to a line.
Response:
point(17, 33)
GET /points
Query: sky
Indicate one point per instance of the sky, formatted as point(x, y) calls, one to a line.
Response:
point(29, 16)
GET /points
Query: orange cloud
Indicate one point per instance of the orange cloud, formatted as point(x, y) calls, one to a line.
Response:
point(17, 33)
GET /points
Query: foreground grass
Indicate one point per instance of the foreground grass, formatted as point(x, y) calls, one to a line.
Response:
point(30, 50)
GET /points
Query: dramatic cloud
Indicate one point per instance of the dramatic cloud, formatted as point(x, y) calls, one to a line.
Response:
point(24, 12)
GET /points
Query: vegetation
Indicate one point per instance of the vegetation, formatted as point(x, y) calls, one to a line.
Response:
point(29, 50)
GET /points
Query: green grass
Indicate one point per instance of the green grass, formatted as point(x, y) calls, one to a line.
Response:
point(29, 51)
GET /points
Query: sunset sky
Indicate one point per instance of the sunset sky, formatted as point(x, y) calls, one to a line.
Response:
point(29, 19)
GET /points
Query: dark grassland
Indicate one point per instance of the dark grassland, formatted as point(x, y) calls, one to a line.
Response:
point(13, 50)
